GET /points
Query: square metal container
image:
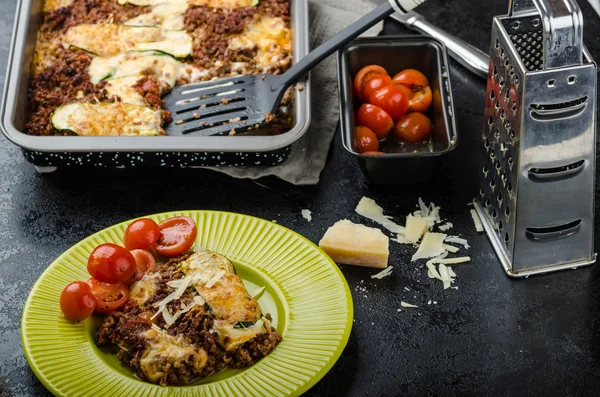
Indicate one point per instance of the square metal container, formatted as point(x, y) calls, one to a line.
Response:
point(405, 163)
point(48, 152)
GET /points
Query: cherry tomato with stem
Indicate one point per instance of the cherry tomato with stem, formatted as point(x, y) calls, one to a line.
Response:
point(376, 119)
point(366, 140)
point(141, 234)
point(413, 128)
point(109, 297)
point(177, 235)
point(375, 84)
point(363, 76)
point(77, 302)
point(392, 99)
point(144, 262)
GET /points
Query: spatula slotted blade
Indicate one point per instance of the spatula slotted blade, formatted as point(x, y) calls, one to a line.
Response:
point(223, 106)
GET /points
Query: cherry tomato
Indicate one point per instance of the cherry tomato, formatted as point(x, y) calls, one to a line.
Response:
point(144, 262)
point(420, 101)
point(109, 297)
point(366, 140)
point(376, 119)
point(363, 76)
point(411, 78)
point(372, 153)
point(413, 128)
point(177, 235)
point(392, 99)
point(407, 91)
point(141, 234)
point(111, 263)
point(77, 302)
point(375, 84)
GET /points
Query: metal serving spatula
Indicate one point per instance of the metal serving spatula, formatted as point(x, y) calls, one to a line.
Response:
point(243, 102)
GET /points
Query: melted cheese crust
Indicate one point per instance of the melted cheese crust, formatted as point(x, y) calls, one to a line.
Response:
point(164, 350)
point(272, 40)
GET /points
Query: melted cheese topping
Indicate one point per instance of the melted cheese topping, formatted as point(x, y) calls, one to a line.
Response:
point(167, 16)
point(50, 5)
point(111, 39)
point(163, 68)
point(206, 3)
point(231, 338)
point(144, 289)
point(272, 40)
point(225, 293)
point(123, 88)
point(163, 350)
point(107, 119)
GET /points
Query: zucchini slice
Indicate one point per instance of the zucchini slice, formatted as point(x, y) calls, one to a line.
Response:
point(227, 298)
point(107, 119)
point(111, 39)
point(177, 43)
point(103, 67)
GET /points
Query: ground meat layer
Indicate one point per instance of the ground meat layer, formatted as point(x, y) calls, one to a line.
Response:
point(60, 74)
point(125, 328)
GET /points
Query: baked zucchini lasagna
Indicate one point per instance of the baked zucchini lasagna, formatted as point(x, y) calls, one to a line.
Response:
point(189, 319)
point(101, 66)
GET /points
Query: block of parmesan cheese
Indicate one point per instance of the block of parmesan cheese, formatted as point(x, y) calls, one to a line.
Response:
point(351, 244)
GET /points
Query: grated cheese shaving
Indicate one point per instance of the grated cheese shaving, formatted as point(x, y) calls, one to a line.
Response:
point(156, 327)
point(215, 278)
point(408, 305)
point(446, 226)
point(198, 299)
point(384, 273)
point(451, 272)
point(258, 292)
point(401, 239)
point(167, 316)
point(185, 282)
point(476, 221)
point(423, 207)
point(432, 272)
point(446, 279)
point(155, 315)
point(369, 209)
point(416, 227)
point(306, 215)
point(452, 261)
point(458, 240)
point(451, 248)
point(432, 245)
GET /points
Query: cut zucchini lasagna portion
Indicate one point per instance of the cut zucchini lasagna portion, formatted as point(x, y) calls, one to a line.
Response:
point(133, 52)
point(189, 319)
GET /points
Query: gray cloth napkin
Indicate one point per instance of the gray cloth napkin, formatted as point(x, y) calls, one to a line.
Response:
point(309, 153)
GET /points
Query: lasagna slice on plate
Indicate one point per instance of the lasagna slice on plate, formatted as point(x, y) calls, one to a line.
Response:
point(189, 319)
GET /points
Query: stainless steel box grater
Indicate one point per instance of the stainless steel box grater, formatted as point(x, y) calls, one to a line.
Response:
point(537, 154)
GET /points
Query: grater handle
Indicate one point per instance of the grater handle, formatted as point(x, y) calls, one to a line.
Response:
point(562, 22)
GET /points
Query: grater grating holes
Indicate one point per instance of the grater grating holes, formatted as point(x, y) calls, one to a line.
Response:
point(529, 46)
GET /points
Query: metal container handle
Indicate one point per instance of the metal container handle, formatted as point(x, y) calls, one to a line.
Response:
point(562, 23)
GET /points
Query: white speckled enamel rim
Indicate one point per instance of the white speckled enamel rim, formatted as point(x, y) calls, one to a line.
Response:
point(305, 292)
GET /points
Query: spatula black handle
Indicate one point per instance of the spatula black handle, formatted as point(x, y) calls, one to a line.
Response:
point(330, 46)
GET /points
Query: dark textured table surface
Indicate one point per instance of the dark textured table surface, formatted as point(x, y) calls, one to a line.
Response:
point(492, 336)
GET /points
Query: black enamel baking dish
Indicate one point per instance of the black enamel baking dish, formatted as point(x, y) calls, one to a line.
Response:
point(49, 152)
point(401, 163)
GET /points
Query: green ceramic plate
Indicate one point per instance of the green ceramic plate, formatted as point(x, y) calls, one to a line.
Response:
point(305, 293)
